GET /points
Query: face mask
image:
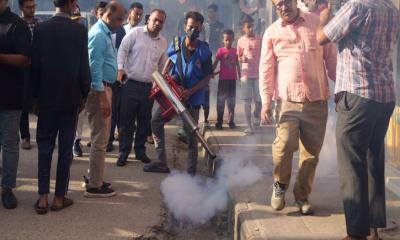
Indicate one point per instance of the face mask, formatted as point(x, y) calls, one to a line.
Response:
point(193, 34)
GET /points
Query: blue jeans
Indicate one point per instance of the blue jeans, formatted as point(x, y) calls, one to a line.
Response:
point(9, 143)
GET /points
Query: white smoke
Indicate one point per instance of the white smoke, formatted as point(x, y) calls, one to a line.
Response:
point(196, 200)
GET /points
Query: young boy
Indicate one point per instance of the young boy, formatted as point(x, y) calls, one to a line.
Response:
point(229, 66)
point(249, 51)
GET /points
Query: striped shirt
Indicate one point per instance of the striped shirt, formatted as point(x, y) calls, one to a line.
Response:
point(366, 32)
point(293, 67)
point(250, 47)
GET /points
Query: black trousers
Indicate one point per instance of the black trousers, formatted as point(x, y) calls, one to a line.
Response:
point(50, 124)
point(116, 103)
point(135, 115)
point(360, 132)
point(24, 121)
point(226, 92)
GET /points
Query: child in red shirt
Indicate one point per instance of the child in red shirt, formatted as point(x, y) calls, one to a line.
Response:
point(229, 67)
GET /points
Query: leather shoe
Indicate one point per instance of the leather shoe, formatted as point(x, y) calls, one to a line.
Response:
point(121, 162)
point(110, 147)
point(8, 199)
point(144, 159)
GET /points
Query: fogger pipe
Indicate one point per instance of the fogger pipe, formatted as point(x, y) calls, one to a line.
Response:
point(181, 110)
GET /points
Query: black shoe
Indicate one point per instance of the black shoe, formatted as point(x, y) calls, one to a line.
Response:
point(144, 159)
point(77, 150)
point(8, 199)
point(232, 125)
point(86, 180)
point(121, 161)
point(110, 147)
point(101, 192)
point(156, 168)
point(218, 126)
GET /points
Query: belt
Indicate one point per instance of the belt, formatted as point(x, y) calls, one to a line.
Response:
point(107, 84)
point(140, 83)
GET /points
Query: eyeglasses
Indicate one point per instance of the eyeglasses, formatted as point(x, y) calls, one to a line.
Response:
point(285, 3)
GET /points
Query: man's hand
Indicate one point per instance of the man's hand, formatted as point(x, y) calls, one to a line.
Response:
point(105, 106)
point(186, 94)
point(266, 114)
point(120, 76)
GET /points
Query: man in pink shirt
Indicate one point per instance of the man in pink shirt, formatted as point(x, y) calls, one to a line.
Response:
point(249, 49)
point(293, 71)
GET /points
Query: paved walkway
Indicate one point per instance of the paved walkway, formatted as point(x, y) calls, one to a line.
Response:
point(254, 219)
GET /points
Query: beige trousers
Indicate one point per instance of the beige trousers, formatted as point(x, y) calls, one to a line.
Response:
point(299, 126)
point(99, 134)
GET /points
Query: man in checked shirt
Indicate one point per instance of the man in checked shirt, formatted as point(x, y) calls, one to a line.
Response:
point(293, 70)
point(366, 33)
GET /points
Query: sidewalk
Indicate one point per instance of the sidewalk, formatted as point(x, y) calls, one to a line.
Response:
point(252, 217)
point(125, 216)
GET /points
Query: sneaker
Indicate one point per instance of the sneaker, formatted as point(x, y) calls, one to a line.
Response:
point(248, 131)
point(8, 199)
point(278, 196)
point(304, 207)
point(102, 192)
point(77, 150)
point(232, 125)
point(110, 147)
point(218, 126)
point(86, 182)
point(156, 168)
point(26, 144)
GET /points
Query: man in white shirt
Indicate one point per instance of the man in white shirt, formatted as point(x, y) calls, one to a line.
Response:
point(135, 16)
point(142, 52)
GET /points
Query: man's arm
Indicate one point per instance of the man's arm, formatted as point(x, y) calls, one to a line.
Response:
point(22, 41)
point(267, 78)
point(330, 59)
point(97, 48)
point(334, 29)
point(84, 69)
point(126, 45)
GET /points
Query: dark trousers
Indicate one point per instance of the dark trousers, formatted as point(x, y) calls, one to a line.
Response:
point(50, 123)
point(226, 92)
point(135, 115)
point(206, 106)
point(24, 124)
point(24, 121)
point(360, 133)
point(116, 103)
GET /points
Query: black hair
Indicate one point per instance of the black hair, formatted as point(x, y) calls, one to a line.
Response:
point(21, 2)
point(158, 10)
point(228, 32)
point(246, 19)
point(61, 3)
point(196, 16)
point(146, 19)
point(101, 4)
point(213, 7)
point(137, 5)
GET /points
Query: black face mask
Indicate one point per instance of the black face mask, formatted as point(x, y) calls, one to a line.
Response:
point(193, 34)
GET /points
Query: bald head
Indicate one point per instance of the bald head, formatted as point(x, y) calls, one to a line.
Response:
point(114, 15)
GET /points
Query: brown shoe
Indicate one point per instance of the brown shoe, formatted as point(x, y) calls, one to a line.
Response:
point(26, 144)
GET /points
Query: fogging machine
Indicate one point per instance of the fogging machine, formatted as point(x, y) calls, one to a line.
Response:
point(167, 93)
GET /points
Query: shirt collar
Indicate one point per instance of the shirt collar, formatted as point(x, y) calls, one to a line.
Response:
point(61, 14)
point(103, 26)
point(299, 20)
point(145, 30)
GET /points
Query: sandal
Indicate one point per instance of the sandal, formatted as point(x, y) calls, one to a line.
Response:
point(66, 203)
point(40, 210)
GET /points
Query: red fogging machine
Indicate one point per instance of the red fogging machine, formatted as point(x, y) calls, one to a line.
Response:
point(167, 93)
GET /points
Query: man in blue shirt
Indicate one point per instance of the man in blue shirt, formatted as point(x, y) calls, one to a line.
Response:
point(103, 67)
point(192, 67)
